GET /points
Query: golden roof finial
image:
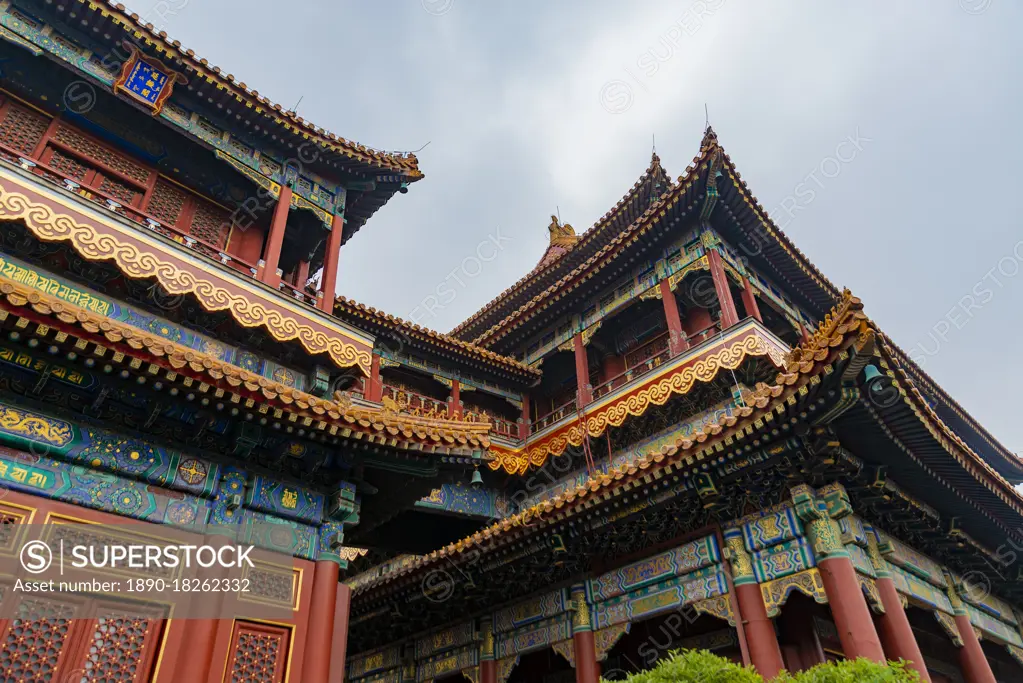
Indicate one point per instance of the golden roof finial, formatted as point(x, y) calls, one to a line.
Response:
point(562, 234)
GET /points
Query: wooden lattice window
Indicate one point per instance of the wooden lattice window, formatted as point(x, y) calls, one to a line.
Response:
point(210, 223)
point(78, 157)
point(79, 641)
point(120, 646)
point(68, 166)
point(258, 654)
point(21, 128)
point(34, 643)
point(123, 193)
point(167, 202)
point(101, 154)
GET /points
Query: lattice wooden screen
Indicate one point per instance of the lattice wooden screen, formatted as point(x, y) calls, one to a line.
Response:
point(259, 653)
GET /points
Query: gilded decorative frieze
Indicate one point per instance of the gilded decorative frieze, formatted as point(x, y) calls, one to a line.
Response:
point(871, 593)
point(566, 649)
point(248, 309)
point(682, 560)
point(606, 638)
point(657, 391)
point(742, 566)
point(777, 592)
point(35, 427)
point(948, 623)
point(719, 607)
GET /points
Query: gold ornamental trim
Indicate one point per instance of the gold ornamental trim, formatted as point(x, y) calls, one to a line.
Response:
point(777, 592)
point(48, 225)
point(657, 392)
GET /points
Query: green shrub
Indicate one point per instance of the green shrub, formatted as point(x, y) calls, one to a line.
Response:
point(855, 671)
point(697, 666)
point(700, 666)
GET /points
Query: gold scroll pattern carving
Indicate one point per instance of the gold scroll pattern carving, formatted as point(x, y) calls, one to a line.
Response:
point(606, 638)
point(657, 393)
point(719, 607)
point(742, 566)
point(872, 594)
point(566, 649)
point(504, 668)
point(948, 623)
point(807, 582)
point(50, 226)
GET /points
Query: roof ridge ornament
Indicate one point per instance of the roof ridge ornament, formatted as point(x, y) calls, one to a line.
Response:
point(561, 234)
point(710, 139)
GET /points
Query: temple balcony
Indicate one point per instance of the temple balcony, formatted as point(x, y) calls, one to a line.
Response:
point(652, 380)
point(64, 203)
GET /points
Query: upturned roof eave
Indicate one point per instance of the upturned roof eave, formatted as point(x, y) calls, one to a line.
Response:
point(808, 360)
point(449, 344)
point(564, 262)
point(132, 24)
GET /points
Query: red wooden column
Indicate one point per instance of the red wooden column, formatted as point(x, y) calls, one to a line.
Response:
point(275, 240)
point(845, 597)
point(339, 645)
point(524, 421)
point(897, 636)
point(587, 669)
point(488, 664)
point(729, 316)
point(374, 385)
point(320, 634)
point(455, 400)
point(582, 372)
point(301, 275)
point(331, 255)
point(749, 300)
point(972, 661)
point(761, 638)
point(195, 658)
point(676, 337)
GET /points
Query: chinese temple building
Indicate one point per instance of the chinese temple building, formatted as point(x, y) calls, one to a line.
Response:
point(673, 432)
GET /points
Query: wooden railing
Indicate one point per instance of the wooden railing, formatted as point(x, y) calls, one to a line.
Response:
point(703, 335)
point(632, 373)
point(415, 403)
point(498, 425)
point(134, 214)
point(120, 183)
point(299, 293)
point(648, 350)
point(550, 418)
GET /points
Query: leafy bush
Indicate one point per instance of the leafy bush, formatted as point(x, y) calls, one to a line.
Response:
point(696, 666)
point(855, 671)
point(700, 666)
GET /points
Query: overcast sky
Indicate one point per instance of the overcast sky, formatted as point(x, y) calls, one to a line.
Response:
point(530, 107)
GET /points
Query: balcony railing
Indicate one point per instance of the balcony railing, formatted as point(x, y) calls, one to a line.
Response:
point(703, 335)
point(105, 176)
point(649, 350)
point(550, 418)
point(498, 425)
point(637, 363)
point(298, 293)
point(414, 402)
